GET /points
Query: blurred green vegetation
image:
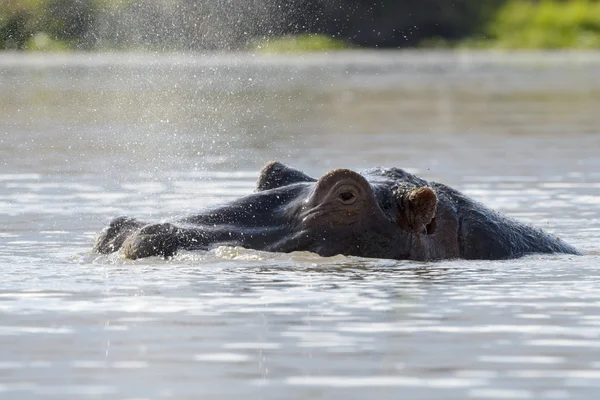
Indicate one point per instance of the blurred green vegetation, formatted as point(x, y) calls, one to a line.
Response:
point(47, 24)
point(303, 25)
point(300, 43)
point(545, 24)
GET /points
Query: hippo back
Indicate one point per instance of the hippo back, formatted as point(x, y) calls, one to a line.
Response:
point(487, 234)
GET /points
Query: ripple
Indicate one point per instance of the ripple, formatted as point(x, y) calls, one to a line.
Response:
point(501, 394)
point(17, 330)
point(103, 364)
point(592, 378)
point(20, 177)
point(76, 390)
point(252, 346)
point(522, 359)
point(530, 329)
point(222, 357)
point(381, 381)
point(11, 365)
point(563, 343)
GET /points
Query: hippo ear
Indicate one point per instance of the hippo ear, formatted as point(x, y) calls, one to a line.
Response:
point(417, 209)
point(276, 174)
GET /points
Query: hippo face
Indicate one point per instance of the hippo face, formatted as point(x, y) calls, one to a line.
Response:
point(342, 199)
point(343, 213)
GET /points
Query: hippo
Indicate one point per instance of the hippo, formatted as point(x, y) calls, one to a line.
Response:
point(378, 213)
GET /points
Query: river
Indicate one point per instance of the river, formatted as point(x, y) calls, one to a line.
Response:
point(86, 137)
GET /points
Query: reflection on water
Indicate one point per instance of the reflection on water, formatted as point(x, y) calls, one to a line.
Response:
point(84, 138)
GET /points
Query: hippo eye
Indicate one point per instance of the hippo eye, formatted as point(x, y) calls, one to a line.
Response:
point(347, 197)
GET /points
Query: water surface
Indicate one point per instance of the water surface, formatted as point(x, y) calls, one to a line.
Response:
point(84, 138)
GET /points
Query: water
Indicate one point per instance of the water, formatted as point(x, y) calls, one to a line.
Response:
point(84, 138)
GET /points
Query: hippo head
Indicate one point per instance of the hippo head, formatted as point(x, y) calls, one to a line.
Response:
point(345, 212)
point(341, 198)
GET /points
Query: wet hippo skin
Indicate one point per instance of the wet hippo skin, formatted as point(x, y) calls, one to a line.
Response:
point(379, 213)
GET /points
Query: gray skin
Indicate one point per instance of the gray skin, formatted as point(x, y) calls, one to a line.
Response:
point(379, 213)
